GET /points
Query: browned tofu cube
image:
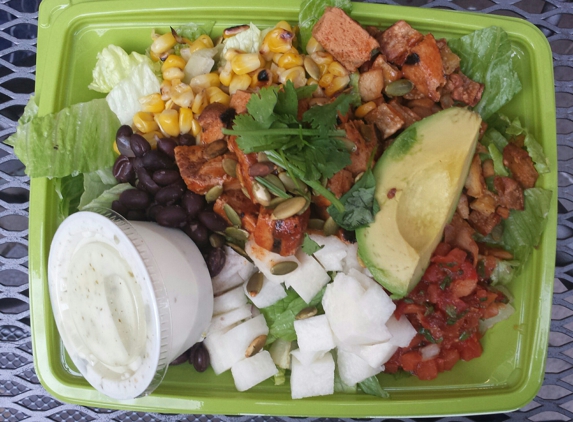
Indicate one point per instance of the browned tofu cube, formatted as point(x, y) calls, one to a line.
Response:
point(371, 84)
point(385, 119)
point(397, 41)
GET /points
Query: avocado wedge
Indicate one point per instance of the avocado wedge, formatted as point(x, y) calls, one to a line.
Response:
point(419, 179)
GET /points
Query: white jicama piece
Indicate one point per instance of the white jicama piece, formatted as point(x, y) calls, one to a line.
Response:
point(353, 369)
point(230, 347)
point(333, 252)
point(307, 358)
point(308, 278)
point(236, 271)
point(265, 260)
point(228, 301)
point(218, 322)
point(270, 293)
point(280, 352)
point(252, 371)
point(316, 379)
point(314, 334)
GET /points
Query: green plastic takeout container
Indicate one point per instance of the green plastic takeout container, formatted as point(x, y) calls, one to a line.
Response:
point(510, 371)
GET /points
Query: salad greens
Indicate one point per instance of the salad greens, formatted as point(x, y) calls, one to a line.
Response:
point(309, 246)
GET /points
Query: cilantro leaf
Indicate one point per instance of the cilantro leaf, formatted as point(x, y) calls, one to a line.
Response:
point(324, 117)
point(360, 205)
point(261, 106)
point(309, 246)
point(287, 103)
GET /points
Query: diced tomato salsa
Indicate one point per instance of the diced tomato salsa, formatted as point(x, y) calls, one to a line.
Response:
point(445, 308)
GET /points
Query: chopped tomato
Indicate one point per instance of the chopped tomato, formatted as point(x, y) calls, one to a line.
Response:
point(410, 360)
point(427, 369)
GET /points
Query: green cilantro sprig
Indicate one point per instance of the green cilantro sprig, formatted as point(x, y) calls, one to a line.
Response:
point(309, 149)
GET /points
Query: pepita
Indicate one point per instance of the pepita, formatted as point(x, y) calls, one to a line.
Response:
point(239, 250)
point(236, 233)
point(289, 208)
point(315, 224)
point(399, 88)
point(213, 193)
point(306, 313)
point(256, 346)
point(214, 149)
point(216, 240)
point(232, 215)
point(349, 145)
point(283, 267)
point(330, 227)
point(301, 212)
point(276, 201)
point(230, 167)
point(262, 195)
point(262, 157)
point(358, 177)
point(311, 68)
point(287, 182)
point(255, 284)
point(245, 192)
point(271, 178)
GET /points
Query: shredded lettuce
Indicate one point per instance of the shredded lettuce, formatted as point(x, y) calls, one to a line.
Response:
point(192, 31)
point(311, 11)
point(504, 272)
point(497, 159)
point(280, 377)
point(77, 139)
point(105, 199)
point(497, 72)
point(372, 387)
point(96, 183)
point(69, 189)
point(248, 41)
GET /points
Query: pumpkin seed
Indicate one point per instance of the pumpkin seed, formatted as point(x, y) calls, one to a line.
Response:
point(214, 149)
point(271, 178)
point(276, 201)
point(256, 346)
point(315, 224)
point(283, 267)
point(255, 284)
point(230, 167)
point(311, 68)
point(262, 157)
point(349, 145)
point(330, 227)
point(262, 194)
point(399, 88)
point(301, 212)
point(236, 233)
point(289, 208)
point(232, 215)
point(245, 192)
point(216, 240)
point(213, 193)
point(358, 177)
point(239, 250)
point(306, 313)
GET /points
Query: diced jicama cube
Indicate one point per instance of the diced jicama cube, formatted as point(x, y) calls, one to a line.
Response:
point(351, 260)
point(280, 352)
point(237, 269)
point(229, 348)
point(356, 315)
point(365, 281)
point(353, 369)
point(251, 371)
point(314, 334)
point(306, 358)
point(316, 379)
point(333, 252)
point(270, 293)
point(228, 301)
point(265, 260)
point(402, 331)
point(218, 322)
point(308, 278)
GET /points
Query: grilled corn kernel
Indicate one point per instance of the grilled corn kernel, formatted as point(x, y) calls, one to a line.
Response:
point(312, 46)
point(152, 103)
point(200, 102)
point(215, 95)
point(284, 25)
point(182, 95)
point(337, 69)
point(239, 82)
point(234, 30)
point(326, 80)
point(364, 109)
point(245, 63)
point(143, 121)
point(115, 148)
point(290, 60)
point(262, 77)
point(173, 61)
point(277, 57)
point(195, 127)
point(173, 73)
point(337, 85)
point(231, 53)
point(206, 39)
point(322, 57)
point(197, 45)
point(201, 82)
point(311, 81)
point(226, 77)
point(168, 121)
point(165, 90)
point(296, 75)
point(323, 68)
point(154, 57)
point(185, 120)
point(152, 137)
point(163, 43)
point(278, 40)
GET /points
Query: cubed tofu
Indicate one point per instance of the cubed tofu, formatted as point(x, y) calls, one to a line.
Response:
point(385, 119)
point(371, 84)
point(397, 41)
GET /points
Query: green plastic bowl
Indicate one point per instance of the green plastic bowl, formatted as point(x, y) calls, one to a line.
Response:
point(511, 369)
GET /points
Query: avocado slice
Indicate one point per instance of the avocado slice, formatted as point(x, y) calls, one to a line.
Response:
point(419, 179)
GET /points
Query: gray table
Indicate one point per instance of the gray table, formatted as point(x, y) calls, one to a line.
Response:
point(22, 396)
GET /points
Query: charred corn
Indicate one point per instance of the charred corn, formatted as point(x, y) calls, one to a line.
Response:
point(278, 40)
point(152, 103)
point(337, 85)
point(201, 82)
point(173, 61)
point(216, 95)
point(163, 43)
point(182, 95)
point(364, 109)
point(199, 102)
point(239, 82)
point(312, 46)
point(143, 121)
point(168, 121)
point(290, 60)
point(245, 63)
point(185, 120)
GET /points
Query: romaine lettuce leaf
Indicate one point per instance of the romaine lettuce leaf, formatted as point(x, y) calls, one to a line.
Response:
point(107, 197)
point(69, 189)
point(372, 387)
point(96, 183)
point(504, 272)
point(497, 72)
point(248, 41)
point(77, 139)
point(311, 11)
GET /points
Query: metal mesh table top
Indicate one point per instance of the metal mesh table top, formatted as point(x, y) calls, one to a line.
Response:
point(22, 396)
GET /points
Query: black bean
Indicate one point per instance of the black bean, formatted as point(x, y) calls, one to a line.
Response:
point(412, 59)
point(152, 211)
point(186, 139)
point(139, 145)
point(135, 199)
point(146, 181)
point(156, 160)
point(212, 221)
point(216, 261)
point(122, 139)
point(137, 163)
point(349, 236)
point(201, 359)
point(167, 146)
point(166, 177)
point(171, 216)
point(192, 203)
point(191, 352)
point(119, 208)
point(184, 357)
point(136, 215)
point(169, 194)
point(123, 170)
point(197, 232)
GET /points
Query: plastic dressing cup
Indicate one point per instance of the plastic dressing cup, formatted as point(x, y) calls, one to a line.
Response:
point(128, 298)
